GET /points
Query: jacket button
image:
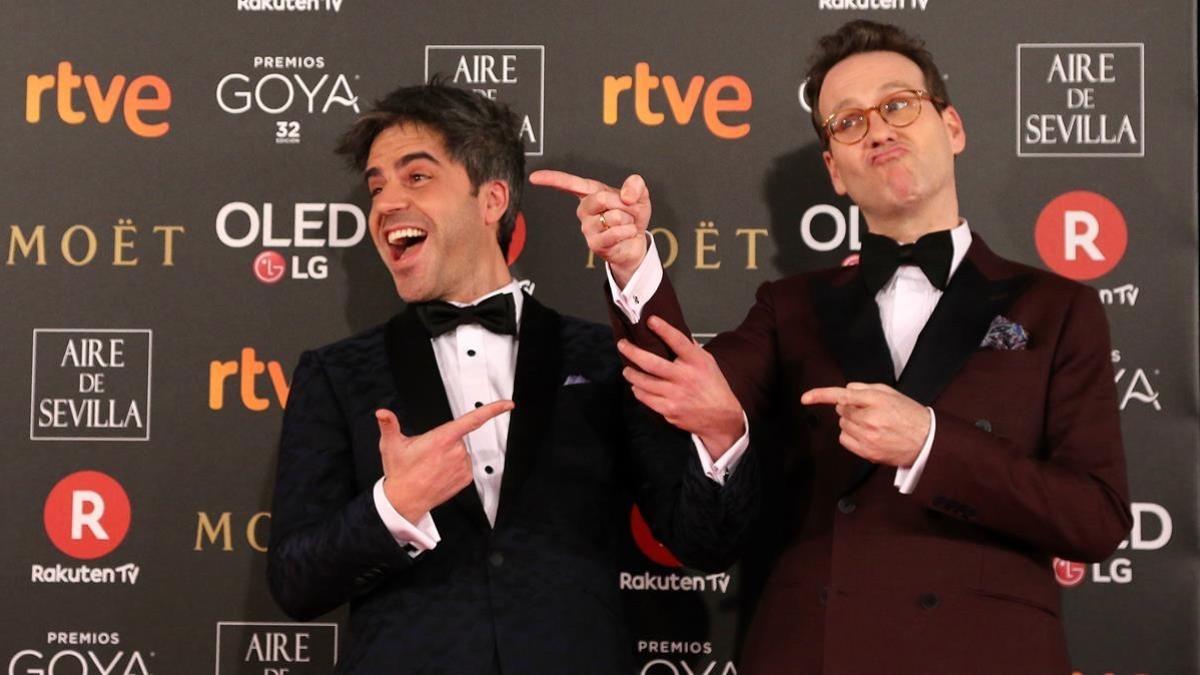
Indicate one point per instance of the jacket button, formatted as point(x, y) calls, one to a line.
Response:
point(496, 559)
point(930, 600)
point(846, 505)
point(983, 425)
point(823, 596)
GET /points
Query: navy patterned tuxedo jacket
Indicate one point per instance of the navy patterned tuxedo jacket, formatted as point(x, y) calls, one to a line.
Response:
point(538, 593)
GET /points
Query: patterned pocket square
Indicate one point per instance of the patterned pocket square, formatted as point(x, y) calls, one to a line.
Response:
point(575, 379)
point(1005, 335)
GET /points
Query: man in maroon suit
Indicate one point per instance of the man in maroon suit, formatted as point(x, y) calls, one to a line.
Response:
point(949, 420)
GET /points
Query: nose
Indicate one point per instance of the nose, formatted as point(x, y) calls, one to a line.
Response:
point(391, 198)
point(878, 131)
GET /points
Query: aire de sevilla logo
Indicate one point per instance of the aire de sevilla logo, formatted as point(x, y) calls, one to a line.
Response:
point(1081, 235)
point(87, 515)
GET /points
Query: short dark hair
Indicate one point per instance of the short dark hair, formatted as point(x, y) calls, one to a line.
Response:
point(481, 134)
point(857, 37)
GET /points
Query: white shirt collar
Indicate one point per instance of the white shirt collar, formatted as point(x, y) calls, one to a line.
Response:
point(511, 287)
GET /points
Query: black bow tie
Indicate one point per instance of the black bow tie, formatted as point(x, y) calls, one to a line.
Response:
point(497, 314)
point(881, 256)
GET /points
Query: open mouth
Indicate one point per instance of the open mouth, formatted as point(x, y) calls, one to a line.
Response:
point(405, 241)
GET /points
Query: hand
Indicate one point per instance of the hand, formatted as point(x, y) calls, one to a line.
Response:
point(620, 240)
point(690, 392)
point(878, 423)
point(421, 472)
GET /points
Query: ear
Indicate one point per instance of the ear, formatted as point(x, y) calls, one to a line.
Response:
point(954, 129)
point(835, 176)
point(494, 201)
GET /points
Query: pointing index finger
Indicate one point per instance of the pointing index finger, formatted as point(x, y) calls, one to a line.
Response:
point(476, 418)
point(567, 182)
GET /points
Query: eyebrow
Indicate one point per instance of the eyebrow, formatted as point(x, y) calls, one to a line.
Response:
point(894, 84)
point(406, 159)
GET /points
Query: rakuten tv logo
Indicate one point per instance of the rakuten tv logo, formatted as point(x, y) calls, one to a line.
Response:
point(1081, 235)
point(719, 101)
point(144, 94)
point(87, 515)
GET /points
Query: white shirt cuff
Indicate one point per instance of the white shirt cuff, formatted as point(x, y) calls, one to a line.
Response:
point(907, 476)
point(414, 539)
point(641, 287)
point(720, 470)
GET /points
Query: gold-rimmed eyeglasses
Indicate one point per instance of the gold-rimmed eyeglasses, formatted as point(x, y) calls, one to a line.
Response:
point(900, 109)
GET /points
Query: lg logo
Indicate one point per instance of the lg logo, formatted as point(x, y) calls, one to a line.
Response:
point(87, 515)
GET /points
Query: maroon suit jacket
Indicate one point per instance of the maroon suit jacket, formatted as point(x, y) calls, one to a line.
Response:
point(1026, 464)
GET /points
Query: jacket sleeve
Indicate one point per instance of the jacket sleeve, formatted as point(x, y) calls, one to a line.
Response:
point(1069, 497)
point(328, 543)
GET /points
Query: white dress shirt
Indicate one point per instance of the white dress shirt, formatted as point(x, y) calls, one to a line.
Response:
point(905, 304)
point(477, 367)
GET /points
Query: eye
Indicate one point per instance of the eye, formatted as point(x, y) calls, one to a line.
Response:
point(847, 121)
point(897, 104)
point(417, 177)
point(374, 189)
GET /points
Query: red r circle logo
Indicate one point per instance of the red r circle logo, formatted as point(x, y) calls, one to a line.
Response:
point(517, 244)
point(87, 515)
point(1081, 235)
point(652, 548)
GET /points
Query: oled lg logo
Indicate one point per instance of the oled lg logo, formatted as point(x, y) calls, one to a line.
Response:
point(1081, 235)
point(313, 226)
point(720, 101)
point(515, 74)
point(145, 94)
point(86, 516)
point(1151, 531)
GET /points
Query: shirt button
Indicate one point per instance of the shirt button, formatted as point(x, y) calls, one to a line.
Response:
point(496, 559)
point(930, 600)
point(635, 299)
point(983, 425)
point(846, 505)
point(488, 469)
point(470, 352)
point(478, 404)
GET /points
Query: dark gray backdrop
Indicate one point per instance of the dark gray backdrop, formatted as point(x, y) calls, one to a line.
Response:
point(185, 313)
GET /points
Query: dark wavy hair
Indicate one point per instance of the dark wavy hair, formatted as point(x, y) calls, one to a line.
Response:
point(479, 133)
point(861, 36)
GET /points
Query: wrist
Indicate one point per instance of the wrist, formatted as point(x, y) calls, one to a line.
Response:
point(721, 438)
point(409, 506)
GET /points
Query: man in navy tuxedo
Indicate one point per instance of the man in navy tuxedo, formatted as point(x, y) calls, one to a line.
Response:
point(462, 475)
point(949, 420)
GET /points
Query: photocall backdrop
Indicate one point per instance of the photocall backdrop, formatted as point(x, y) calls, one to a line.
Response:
point(176, 230)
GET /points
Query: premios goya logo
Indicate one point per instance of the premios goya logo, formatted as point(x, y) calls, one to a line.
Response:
point(289, 90)
point(91, 384)
point(76, 99)
point(83, 653)
point(86, 516)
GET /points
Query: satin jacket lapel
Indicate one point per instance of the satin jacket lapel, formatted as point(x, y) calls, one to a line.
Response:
point(422, 397)
point(853, 332)
point(956, 328)
point(539, 353)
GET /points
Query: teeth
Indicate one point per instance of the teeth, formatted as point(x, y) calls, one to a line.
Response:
point(404, 233)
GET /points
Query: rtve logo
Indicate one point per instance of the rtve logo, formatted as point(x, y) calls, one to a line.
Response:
point(247, 369)
point(87, 515)
point(718, 100)
point(145, 93)
point(1081, 235)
